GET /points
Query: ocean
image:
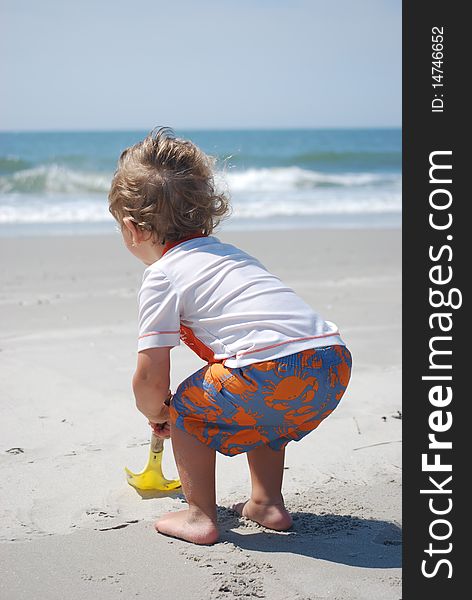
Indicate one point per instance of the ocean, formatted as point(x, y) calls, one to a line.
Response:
point(57, 182)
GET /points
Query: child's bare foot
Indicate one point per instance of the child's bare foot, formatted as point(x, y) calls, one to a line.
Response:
point(185, 525)
point(272, 516)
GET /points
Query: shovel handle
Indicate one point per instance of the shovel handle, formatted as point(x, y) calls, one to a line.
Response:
point(157, 443)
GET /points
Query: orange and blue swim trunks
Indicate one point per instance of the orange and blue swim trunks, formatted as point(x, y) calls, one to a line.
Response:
point(271, 402)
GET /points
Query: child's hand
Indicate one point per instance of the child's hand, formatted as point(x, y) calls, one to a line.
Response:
point(162, 430)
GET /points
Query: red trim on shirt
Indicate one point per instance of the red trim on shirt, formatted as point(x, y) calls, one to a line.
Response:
point(170, 245)
point(311, 337)
point(156, 333)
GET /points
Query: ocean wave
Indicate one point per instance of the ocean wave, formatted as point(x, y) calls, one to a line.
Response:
point(80, 211)
point(293, 178)
point(12, 164)
point(54, 178)
point(263, 210)
point(95, 210)
point(58, 179)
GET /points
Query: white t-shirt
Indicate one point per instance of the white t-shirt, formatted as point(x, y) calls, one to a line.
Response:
point(226, 306)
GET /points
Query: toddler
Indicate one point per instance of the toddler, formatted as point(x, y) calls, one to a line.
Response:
point(274, 368)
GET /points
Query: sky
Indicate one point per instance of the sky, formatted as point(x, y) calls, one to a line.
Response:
point(202, 64)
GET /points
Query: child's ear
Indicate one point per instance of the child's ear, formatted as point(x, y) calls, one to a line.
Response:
point(132, 228)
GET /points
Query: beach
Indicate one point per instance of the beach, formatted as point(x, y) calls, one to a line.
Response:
point(72, 527)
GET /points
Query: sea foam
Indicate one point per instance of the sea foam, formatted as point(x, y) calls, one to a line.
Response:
point(53, 193)
point(55, 178)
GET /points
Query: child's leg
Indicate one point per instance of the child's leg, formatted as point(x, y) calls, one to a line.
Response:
point(196, 465)
point(266, 505)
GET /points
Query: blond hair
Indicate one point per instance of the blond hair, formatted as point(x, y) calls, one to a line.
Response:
point(166, 186)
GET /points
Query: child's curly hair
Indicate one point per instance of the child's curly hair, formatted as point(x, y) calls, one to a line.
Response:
point(166, 185)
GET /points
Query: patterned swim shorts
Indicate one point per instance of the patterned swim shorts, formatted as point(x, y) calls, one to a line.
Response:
point(271, 402)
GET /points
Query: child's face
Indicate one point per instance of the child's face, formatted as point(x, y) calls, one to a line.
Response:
point(139, 243)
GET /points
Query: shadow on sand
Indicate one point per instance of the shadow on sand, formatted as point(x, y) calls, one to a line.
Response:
point(342, 539)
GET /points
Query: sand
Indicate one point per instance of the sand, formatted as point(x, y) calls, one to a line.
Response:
point(71, 526)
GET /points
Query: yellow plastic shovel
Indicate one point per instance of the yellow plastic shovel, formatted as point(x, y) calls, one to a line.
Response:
point(151, 478)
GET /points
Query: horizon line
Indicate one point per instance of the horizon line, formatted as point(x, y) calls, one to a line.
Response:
point(196, 129)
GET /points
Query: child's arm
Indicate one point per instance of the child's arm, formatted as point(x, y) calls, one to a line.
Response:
point(151, 382)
